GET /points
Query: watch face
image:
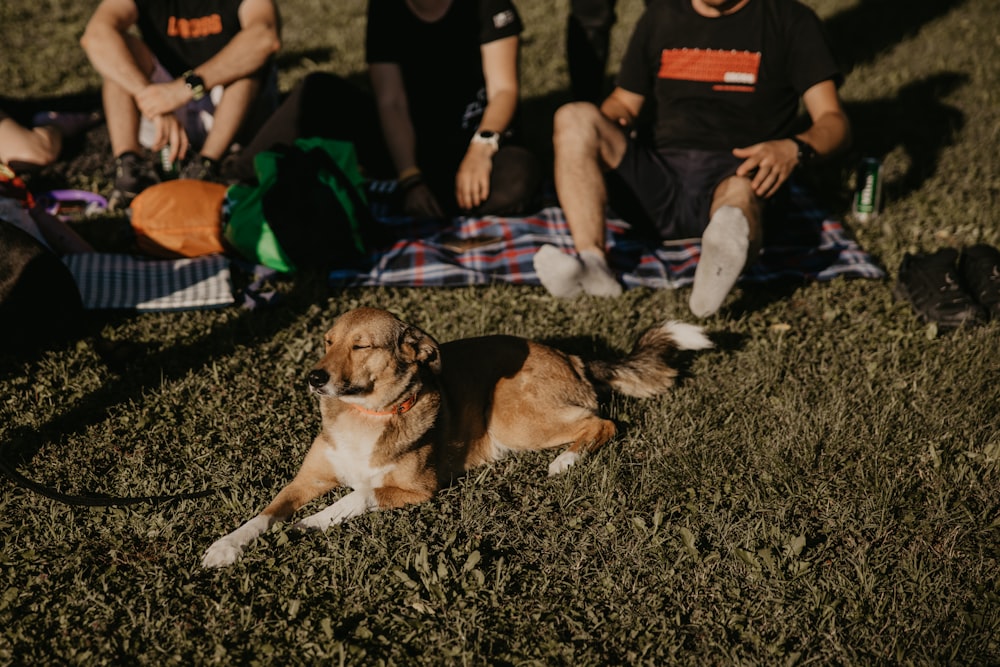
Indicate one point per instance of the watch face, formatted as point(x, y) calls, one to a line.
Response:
point(487, 134)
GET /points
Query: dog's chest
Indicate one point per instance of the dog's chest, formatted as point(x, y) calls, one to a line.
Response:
point(352, 452)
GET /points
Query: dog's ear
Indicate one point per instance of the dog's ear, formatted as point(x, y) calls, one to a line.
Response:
point(416, 346)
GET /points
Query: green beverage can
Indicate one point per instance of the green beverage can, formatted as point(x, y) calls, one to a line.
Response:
point(168, 169)
point(868, 190)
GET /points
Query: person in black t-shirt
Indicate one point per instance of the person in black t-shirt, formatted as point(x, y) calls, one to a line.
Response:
point(725, 78)
point(201, 71)
point(445, 77)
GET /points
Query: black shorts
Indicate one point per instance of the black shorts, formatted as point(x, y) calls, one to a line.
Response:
point(668, 193)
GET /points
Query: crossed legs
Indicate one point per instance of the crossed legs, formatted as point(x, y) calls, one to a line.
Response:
point(123, 118)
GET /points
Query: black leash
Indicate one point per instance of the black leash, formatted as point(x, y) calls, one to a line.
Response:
point(96, 501)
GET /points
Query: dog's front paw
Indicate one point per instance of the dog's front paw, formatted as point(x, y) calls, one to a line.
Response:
point(316, 522)
point(562, 462)
point(222, 553)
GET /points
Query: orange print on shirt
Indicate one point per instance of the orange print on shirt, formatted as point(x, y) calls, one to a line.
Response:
point(204, 26)
point(728, 70)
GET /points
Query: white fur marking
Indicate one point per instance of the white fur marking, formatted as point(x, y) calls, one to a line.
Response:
point(353, 504)
point(687, 336)
point(563, 462)
point(351, 455)
point(227, 550)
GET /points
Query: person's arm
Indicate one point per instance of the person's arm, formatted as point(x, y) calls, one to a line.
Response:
point(622, 107)
point(830, 132)
point(104, 43)
point(257, 41)
point(400, 137)
point(774, 161)
point(248, 51)
point(472, 182)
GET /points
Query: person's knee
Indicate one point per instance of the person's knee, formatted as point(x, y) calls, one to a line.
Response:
point(574, 125)
point(737, 191)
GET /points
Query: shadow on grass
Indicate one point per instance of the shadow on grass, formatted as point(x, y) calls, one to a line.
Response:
point(859, 34)
point(916, 120)
point(138, 370)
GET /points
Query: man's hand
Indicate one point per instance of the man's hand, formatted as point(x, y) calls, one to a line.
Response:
point(768, 164)
point(158, 99)
point(472, 182)
point(170, 132)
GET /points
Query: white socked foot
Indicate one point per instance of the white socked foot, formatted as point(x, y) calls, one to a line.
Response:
point(598, 279)
point(724, 247)
point(558, 272)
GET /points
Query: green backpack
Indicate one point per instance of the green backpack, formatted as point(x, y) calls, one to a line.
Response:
point(307, 211)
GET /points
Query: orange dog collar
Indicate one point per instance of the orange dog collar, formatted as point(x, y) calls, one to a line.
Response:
point(396, 410)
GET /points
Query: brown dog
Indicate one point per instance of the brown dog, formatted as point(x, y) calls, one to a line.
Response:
point(403, 416)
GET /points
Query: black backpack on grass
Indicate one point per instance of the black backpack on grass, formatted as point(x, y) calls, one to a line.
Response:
point(39, 300)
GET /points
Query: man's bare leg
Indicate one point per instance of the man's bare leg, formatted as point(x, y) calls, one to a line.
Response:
point(229, 115)
point(585, 144)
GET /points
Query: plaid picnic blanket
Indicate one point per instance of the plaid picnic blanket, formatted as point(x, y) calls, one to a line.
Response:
point(813, 246)
point(115, 281)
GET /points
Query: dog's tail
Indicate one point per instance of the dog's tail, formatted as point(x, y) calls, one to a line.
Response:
point(646, 371)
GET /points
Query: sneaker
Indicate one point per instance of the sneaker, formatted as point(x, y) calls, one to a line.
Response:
point(980, 268)
point(930, 283)
point(133, 174)
point(200, 168)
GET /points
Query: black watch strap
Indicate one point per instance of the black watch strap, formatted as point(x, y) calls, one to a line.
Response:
point(807, 154)
point(195, 84)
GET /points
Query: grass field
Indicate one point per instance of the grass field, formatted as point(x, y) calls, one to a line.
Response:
point(822, 489)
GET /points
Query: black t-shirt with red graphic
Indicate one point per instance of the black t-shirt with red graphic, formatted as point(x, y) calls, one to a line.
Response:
point(183, 34)
point(440, 61)
point(725, 82)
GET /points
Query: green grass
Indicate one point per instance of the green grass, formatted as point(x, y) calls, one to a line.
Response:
point(823, 487)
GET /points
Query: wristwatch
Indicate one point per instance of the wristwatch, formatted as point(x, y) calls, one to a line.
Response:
point(806, 152)
point(195, 84)
point(488, 137)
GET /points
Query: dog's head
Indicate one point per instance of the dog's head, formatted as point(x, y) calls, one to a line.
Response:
point(372, 357)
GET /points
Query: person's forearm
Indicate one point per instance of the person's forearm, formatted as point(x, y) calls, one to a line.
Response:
point(829, 134)
point(618, 110)
point(400, 139)
point(499, 111)
point(110, 56)
point(246, 53)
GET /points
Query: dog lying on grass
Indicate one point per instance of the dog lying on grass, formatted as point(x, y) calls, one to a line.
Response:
point(403, 416)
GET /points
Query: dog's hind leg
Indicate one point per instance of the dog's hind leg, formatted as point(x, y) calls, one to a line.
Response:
point(591, 435)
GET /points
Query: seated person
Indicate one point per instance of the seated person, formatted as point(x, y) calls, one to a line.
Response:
point(27, 149)
point(726, 77)
point(200, 77)
point(445, 78)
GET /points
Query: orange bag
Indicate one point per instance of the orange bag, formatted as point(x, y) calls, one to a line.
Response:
point(179, 218)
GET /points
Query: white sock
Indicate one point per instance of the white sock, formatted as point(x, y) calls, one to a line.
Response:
point(724, 248)
point(558, 272)
point(598, 278)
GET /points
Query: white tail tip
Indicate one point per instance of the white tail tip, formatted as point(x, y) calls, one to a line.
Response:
point(687, 336)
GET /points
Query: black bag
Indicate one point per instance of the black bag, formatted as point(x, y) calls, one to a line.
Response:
point(39, 300)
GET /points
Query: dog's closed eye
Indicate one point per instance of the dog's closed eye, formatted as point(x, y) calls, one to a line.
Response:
point(361, 347)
